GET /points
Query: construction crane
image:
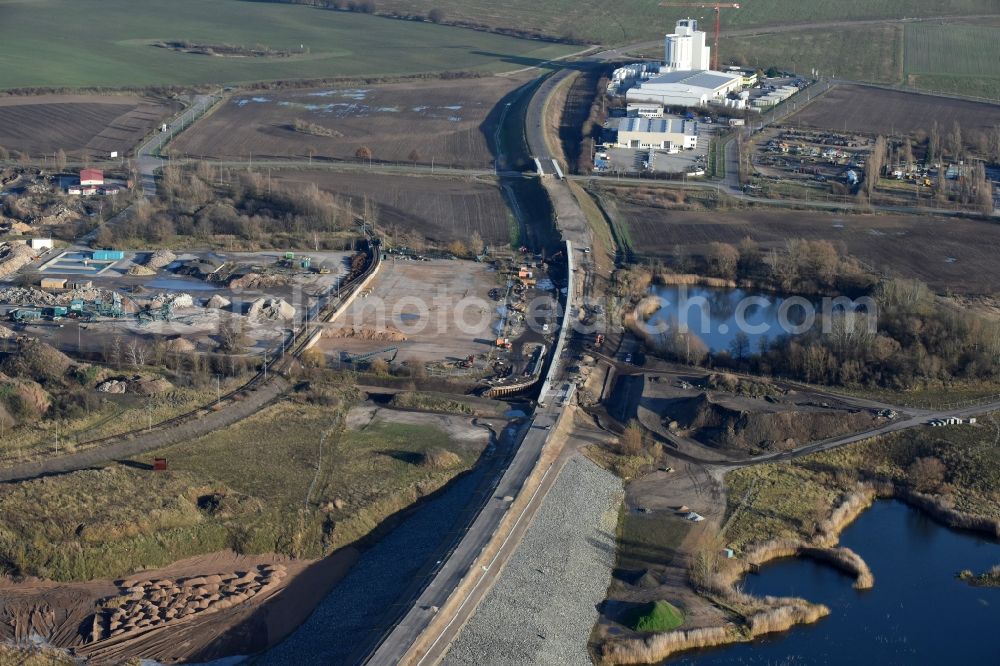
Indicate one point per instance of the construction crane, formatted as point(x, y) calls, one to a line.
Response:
point(718, 7)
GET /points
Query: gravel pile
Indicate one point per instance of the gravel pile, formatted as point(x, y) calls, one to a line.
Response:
point(160, 259)
point(542, 609)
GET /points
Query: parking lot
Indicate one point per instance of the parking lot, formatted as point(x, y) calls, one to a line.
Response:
point(633, 160)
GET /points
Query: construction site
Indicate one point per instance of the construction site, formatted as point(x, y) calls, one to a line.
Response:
point(241, 303)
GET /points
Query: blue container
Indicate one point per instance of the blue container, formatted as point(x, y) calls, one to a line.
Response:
point(108, 255)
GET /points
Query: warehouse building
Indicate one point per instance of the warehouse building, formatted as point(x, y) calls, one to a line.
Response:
point(688, 89)
point(660, 133)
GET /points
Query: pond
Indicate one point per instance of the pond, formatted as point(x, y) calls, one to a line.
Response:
point(917, 613)
point(717, 316)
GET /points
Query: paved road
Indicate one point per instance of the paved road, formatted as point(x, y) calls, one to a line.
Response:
point(479, 534)
point(144, 442)
point(147, 159)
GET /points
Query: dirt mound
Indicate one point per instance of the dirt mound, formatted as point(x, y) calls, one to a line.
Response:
point(141, 271)
point(218, 302)
point(37, 361)
point(271, 309)
point(439, 459)
point(180, 346)
point(723, 427)
point(14, 257)
point(6, 333)
point(22, 399)
point(153, 386)
point(258, 281)
point(388, 334)
point(160, 259)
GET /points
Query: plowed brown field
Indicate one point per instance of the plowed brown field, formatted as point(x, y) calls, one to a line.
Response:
point(448, 122)
point(80, 125)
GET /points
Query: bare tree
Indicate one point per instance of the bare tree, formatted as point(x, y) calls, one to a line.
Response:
point(723, 259)
point(137, 353)
point(934, 144)
point(874, 165)
point(115, 353)
point(955, 145)
point(436, 15)
point(61, 160)
point(414, 156)
point(364, 153)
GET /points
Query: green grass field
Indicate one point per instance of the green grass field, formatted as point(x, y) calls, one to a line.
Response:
point(954, 57)
point(633, 20)
point(861, 53)
point(85, 43)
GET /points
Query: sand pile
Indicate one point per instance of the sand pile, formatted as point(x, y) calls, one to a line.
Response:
point(271, 309)
point(388, 334)
point(160, 259)
point(218, 302)
point(142, 605)
point(6, 333)
point(140, 271)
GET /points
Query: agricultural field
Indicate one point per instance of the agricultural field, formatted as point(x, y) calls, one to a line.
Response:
point(851, 108)
point(81, 125)
point(950, 255)
point(954, 57)
point(859, 53)
point(632, 20)
point(415, 210)
point(112, 43)
point(447, 123)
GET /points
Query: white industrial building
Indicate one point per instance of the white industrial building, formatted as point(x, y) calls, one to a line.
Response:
point(644, 110)
point(661, 133)
point(695, 88)
point(685, 49)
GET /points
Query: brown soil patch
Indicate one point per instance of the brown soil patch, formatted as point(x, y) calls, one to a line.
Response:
point(81, 125)
point(440, 210)
point(877, 111)
point(447, 121)
point(765, 427)
point(950, 255)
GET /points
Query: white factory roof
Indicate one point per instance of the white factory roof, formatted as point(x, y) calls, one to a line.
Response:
point(656, 125)
point(698, 78)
